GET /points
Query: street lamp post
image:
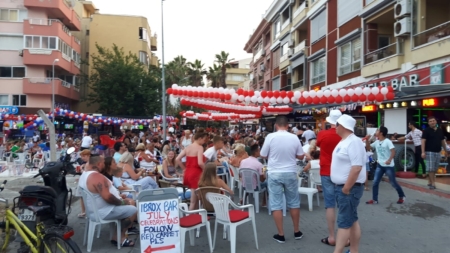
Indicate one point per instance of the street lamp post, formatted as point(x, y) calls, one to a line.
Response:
point(53, 89)
point(163, 91)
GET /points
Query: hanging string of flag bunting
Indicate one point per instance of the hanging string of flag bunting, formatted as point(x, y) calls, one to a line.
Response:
point(208, 116)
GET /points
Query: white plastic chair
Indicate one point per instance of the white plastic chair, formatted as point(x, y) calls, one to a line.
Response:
point(235, 179)
point(224, 174)
point(248, 177)
point(46, 156)
point(191, 220)
point(308, 192)
point(314, 177)
point(93, 221)
point(203, 203)
point(231, 218)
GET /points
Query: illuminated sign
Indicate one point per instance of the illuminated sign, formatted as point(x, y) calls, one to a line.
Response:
point(369, 108)
point(317, 88)
point(429, 102)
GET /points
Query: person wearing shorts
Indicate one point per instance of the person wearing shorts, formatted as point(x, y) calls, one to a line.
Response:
point(433, 141)
point(327, 140)
point(348, 173)
point(282, 149)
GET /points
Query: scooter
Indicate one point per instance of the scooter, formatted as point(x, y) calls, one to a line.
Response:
point(54, 194)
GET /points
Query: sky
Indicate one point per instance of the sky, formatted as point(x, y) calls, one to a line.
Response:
point(196, 29)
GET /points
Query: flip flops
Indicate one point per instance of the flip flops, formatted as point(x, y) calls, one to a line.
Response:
point(325, 241)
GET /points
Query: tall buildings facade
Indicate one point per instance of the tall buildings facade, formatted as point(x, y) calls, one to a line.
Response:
point(35, 38)
point(238, 74)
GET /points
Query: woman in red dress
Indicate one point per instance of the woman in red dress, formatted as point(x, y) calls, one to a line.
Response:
point(195, 164)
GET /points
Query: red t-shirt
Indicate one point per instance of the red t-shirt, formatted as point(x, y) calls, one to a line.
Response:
point(327, 140)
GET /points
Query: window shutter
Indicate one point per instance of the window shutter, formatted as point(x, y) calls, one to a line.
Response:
point(347, 9)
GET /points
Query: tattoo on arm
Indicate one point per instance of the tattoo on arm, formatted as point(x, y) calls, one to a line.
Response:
point(99, 187)
point(113, 200)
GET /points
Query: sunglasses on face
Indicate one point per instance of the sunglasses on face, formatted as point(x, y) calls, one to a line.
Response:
point(337, 124)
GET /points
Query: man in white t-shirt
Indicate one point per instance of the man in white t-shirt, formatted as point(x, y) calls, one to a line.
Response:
point(86, 142)
point(309, 134)
point(211, 153)
point(385, 158)
point(348, 173)
point(282, 149)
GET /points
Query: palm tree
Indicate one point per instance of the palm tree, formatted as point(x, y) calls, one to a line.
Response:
point(196, 72)
point(222, 60)
point(214, 74)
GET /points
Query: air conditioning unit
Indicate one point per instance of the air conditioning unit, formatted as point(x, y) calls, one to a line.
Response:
point(290, 52)
point(402, 8)
point(263, 53)
point(292, 2)
point(262, 68)
point(402, 27)
point(21, 52)
point(291, 43)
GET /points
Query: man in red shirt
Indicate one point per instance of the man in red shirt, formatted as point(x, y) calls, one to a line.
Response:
point(327, 140)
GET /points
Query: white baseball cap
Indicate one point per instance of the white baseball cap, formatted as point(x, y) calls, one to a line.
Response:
point(333, 116)
point(347, 122)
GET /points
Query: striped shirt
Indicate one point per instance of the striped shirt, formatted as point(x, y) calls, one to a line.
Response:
point(416, 136)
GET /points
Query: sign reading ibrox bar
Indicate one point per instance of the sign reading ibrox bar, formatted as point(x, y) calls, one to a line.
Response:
point(396, 83)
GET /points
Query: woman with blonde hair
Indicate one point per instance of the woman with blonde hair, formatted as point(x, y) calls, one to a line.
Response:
point(169, 166)
point(239, 155)
point(131, 176)
point(209, 178)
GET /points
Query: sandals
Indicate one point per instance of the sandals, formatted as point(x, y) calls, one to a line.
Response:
point(82, 215)
point(126, 243)
point(325, 241)
point(366, 188)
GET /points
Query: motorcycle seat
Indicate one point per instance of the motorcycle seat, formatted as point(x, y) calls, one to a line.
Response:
point(34, 189)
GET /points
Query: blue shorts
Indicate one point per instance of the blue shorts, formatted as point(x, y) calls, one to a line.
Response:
point(348, 205)
point(367, 166)
point(328, 192)
point(283, 183)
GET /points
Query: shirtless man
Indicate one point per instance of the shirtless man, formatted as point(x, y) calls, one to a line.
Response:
point(110, 205)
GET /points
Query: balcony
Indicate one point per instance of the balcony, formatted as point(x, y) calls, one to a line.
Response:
point(154, 43)
point(301, 46)
point(43, 86)
point(58, 9)
point(382, 60)
point(299, 85)
point(154, 61)
point(51, 27)
point(300, 12)
point(381, 53)
point(285, 27)
point(45, 57)
point(257, 55)
point(284, 61)
point(431, 44)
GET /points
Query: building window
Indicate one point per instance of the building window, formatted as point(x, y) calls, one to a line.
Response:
point(318, 26)
point(348, 9)
point(10, 42)
point(41, 42)
point(276, 28)
point(318, 70)
point(369, 2)
point(19, 100)
point(9, 15)
point(350, 57)
point(4, 99)
point(76, 57)
point(143, 34)
point(12, 72)
point(284, 49)
point(143, 57)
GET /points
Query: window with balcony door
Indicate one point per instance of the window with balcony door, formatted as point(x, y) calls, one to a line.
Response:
point(284, 49)
point(4, 99)
point(143, 57)
point(348, 9)
point(143, 35)
point(350, 57)
point(19, 100)
point(318, 70)
point(431, 21)
point(12, 72)
point(285, 16)
point(41, 42)
point(76, 57)
point(318, 26)
point(276, 28)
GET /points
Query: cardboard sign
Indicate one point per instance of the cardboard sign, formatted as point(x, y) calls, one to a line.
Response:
point(159, 226)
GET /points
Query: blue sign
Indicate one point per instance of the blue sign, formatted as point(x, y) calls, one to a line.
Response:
point(9, 110)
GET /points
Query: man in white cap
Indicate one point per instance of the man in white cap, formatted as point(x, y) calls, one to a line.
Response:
point(327, 140)
point(348, 173)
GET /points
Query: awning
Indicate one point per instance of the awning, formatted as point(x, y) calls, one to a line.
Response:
point(424, 91)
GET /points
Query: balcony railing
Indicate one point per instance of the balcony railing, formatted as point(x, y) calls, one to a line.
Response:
point(433, 34)
point(49, 22)
point(257, 55)
point(285, 24)
point(300, 8)
point(381, 53)
point(284, 57)
point(298, 84)
point(300, 47)
point(48, 80)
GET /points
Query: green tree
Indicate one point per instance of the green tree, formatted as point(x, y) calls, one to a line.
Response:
point(122, 85)
point(196, 72)
point(214, 74)
point(222, 60)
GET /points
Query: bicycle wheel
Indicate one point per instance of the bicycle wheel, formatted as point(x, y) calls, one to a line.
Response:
point(55, 243)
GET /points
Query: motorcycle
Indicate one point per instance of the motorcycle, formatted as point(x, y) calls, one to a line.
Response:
point(54, 193)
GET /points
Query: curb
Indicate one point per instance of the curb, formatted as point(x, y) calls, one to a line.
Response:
point(420, 188)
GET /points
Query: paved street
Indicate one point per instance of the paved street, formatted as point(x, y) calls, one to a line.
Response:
point(420, 225)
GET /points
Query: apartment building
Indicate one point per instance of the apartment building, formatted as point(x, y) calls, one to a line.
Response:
point(132, 33)
point(35, 38)
point(238, 74)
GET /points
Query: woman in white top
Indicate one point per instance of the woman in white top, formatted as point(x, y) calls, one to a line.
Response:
point(314, 163)
point(185, 141)
point(133, 177)
point(146, 157)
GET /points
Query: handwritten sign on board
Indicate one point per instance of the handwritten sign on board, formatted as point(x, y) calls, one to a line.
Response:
point(159, 226)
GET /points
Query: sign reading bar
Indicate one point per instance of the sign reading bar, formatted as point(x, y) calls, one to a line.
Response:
point(369, 108)
point(429, 102)
point(159, 226)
